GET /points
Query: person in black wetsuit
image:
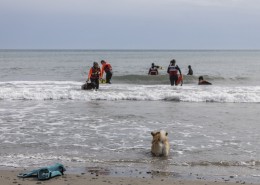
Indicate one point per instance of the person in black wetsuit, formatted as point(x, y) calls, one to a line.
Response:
point(203, 82)
point(190, 72)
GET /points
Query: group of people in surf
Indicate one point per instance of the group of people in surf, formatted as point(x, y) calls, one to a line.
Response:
point(95, 75)
point(175, 74)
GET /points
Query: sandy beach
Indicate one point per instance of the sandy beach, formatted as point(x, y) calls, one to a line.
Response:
point(9, 177)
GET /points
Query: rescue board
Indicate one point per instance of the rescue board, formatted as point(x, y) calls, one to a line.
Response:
point(180, 80)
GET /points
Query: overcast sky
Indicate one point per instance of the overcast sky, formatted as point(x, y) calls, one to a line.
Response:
point(129, 24)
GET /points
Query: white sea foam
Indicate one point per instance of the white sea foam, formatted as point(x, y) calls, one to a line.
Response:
point(68, 90)
point(29, 160)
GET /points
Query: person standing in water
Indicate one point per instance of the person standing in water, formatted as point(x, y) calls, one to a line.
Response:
point(94, 75)
point(190, 72)
point(153, 70)
point(173, 72)
point(107, 68)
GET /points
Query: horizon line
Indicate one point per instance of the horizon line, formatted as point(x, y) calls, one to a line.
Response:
point(26, 49)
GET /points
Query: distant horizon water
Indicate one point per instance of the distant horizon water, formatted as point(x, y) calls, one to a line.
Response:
point(93, 49)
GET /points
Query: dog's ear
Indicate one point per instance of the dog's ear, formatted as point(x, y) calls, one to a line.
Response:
point(155, 133)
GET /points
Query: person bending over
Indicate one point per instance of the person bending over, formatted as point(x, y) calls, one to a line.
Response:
point(107, 68)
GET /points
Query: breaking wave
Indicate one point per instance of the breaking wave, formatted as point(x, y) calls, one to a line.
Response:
point(69, 90)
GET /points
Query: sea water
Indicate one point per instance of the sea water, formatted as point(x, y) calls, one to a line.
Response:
point(45, 117)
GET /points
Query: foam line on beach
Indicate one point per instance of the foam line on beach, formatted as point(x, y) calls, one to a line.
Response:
point(68, 90)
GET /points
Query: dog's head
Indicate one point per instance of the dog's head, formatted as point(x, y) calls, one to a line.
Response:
point(160, 136)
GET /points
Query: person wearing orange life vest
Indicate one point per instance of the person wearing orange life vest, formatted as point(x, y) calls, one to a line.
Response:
point(173, 72)
point(107, 68)
point(94, 75)
point(153, 70)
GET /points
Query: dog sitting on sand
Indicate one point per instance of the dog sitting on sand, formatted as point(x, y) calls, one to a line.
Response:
point(160, 143)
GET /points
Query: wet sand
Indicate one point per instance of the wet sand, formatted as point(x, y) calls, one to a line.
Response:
point(9, 177)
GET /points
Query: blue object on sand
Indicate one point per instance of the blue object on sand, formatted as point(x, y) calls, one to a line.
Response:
point(46, 172)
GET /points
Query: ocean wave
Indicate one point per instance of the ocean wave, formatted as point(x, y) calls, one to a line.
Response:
point(223, 163)
point(29, 160)
point(69, 90)
point(164, 79)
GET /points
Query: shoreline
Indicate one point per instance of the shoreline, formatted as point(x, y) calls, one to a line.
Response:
point(9, 177)
point(102, 176)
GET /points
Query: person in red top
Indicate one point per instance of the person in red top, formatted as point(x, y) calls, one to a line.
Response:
point(153, 70)
point(107, 68)
point(173, 72)
point(94, 75)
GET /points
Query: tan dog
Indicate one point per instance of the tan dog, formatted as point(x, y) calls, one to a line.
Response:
point(160, 143)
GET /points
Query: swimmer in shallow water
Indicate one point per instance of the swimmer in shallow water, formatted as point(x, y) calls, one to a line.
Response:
point(203, 82)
